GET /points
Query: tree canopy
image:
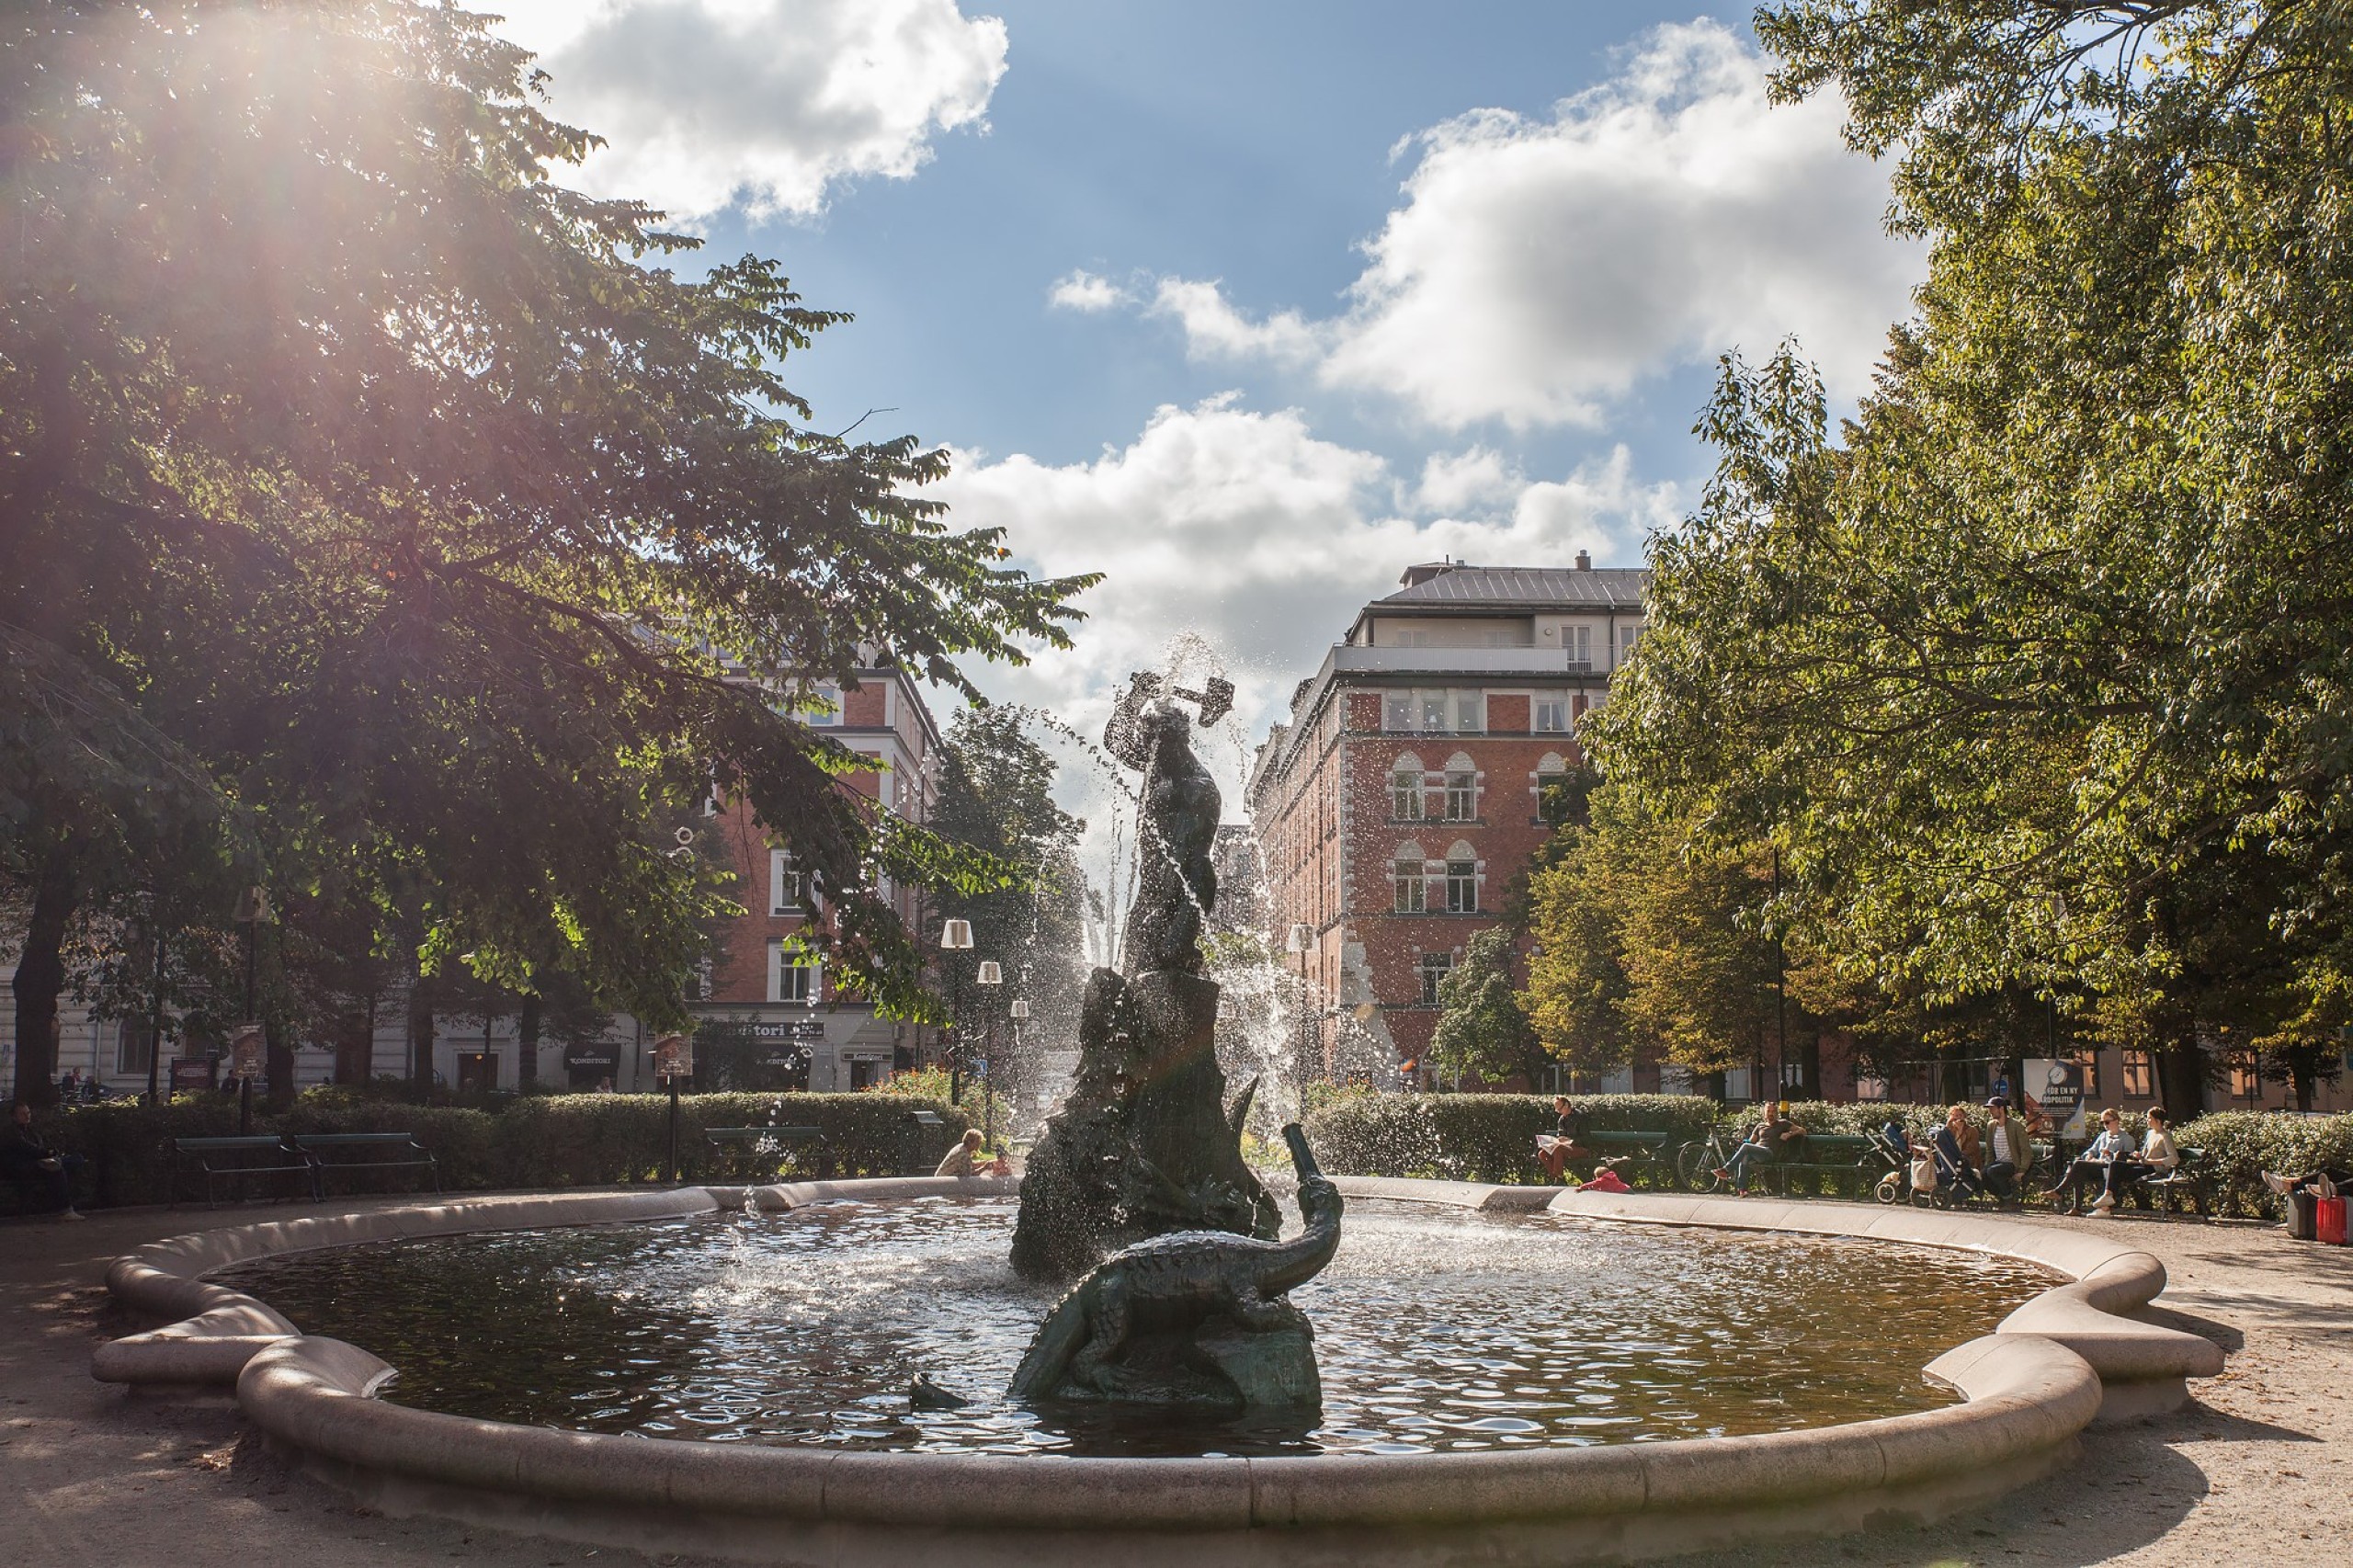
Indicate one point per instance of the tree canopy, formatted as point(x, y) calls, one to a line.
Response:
point(396, 516)
point(2037, 671)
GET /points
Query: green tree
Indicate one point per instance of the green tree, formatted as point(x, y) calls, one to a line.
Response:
point(1482, 1034)
point(422, 518)
point(2037, 671)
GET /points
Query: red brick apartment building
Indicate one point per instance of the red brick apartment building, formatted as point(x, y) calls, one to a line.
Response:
point(784, 997)
point(1397, 803)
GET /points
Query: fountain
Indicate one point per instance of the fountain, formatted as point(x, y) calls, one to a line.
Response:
point(1145, 1143)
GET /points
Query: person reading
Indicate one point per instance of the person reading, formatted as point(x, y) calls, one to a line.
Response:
point(1565, 1142)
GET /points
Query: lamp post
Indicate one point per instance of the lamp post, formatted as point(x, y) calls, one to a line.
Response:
point(992, 975)
point(955, 936)
point(1299, 941)
point(253, 908)
point(1020, 1013)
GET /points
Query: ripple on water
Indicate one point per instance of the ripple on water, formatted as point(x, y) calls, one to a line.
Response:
point(1434, 1330)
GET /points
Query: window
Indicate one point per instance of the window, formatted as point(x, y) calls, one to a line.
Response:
point(794, 974)
point(131, 1053)
point(1461, 886)
point(2140, 1076)
point(824, 705)
point(2244, 1083)
point(2090, 1061)
point(1432, 705)
point(1435, 967)
point(1397, 713)
point(1469, 713)
point(1577, 643)
point(1626, 637)
point(1408, 880)
point(1406, 788)
point(1461, 790)
point(1551, 715)
point(788, 885)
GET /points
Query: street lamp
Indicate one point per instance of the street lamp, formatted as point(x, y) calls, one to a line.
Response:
point(991, 973)
point(253, 908)
point(955, 936)
point(1301, 939)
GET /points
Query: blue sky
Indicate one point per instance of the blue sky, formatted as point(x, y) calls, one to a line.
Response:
point(1250, 305)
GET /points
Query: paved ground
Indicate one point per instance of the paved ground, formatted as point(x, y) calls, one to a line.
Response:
point(2256, 1472)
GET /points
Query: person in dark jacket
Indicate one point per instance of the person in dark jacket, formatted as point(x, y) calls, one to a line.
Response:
point(27, 1158)
point(1567, 1141)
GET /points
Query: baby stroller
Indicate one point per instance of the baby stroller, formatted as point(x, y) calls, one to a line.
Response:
point(1939, 1182)
point(1892, 1145)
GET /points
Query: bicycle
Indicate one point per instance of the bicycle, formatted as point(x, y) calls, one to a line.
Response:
point(1696, 1164)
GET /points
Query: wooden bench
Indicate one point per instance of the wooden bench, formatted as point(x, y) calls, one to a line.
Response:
point(785, 1143)
point(377, 1152)
point(1633, 1149)
point(1839, 1156)
point(2194, 1178)
point(239, 1159)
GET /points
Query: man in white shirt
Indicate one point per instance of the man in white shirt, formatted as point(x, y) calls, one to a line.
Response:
point(2007, 1152)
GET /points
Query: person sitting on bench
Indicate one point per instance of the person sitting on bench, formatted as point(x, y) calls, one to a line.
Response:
point(1776, 1138)
point(2107, 1164)
point(1566, 1142)
point(2007, 1152)
point(27, 1157)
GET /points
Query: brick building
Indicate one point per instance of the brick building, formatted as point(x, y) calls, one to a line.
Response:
point(1397, 803)
point(824, 1039)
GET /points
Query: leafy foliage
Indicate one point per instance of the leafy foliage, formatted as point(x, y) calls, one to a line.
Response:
point(443, 543)
point(1482, 1034)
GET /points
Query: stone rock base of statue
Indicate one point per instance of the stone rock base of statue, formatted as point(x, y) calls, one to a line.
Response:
point(1145, 1144)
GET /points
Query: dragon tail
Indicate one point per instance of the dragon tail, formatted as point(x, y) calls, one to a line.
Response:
point(1050, 1350)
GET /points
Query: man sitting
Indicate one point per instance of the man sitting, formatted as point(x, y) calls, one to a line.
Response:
point(27, 1158)
point(1566, 1142)
point(1776, 1138)
point(2006, 1152)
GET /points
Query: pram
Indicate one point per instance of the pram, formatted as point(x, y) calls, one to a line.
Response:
point(1955, 1184)
point(1893, 1147)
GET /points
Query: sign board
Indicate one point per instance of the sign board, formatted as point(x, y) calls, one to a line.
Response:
point(191, 1074)
point(674, 1057)
point(2056, 1091)
point(246, 1052)
point(791, 1029)
point(2002, 1085)
point(592, 1058)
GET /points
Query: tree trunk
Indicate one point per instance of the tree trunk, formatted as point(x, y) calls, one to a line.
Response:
point(527, 1043)
point(40, 978)
point(420, 1035)
point(2181, 1077)
point(278, 1048)
point(355, 1054)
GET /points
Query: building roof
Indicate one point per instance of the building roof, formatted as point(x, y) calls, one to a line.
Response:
point(1521, 588)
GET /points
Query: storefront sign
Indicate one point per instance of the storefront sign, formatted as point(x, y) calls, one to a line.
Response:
point(791, 1029)
point(191, 1074)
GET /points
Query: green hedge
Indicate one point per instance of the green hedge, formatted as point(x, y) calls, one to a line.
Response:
point(2243, 1145)
point(1482, 1137)
point(535, 1140)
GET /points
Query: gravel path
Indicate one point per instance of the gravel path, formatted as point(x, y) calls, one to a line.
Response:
point(2254, 1472)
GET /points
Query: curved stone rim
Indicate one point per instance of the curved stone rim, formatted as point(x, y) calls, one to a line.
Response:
point(2028, 1390)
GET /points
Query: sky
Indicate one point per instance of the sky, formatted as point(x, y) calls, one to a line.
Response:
point(1251, 305)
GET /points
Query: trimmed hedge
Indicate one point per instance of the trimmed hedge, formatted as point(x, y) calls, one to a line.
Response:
point(2243, 1145)
point(1482, 1137)
point(1493, 1137)
point(540, 1141)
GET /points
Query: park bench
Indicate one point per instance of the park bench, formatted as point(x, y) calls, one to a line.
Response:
point(1639, 1151)
point(1835, 1157)
point(239, 1159)
point(765, 1149)
point(330, 1153)
point(2193, 1178)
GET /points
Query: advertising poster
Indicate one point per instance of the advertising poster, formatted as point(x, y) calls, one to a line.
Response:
point(2054, 1090)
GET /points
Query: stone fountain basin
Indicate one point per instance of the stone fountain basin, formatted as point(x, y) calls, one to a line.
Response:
point(2059, 1363)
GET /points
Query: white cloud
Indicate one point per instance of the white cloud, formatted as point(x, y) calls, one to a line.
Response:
point(706, 103)
point(1082, 291)
point(1215, 329)
point(1538, 269)
point(1248, 530)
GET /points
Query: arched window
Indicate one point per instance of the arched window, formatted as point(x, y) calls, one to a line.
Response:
point(1462, 788)
point(1406, 788)
point(1462, 878)
point(1551, 771)
point(1409, 879)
